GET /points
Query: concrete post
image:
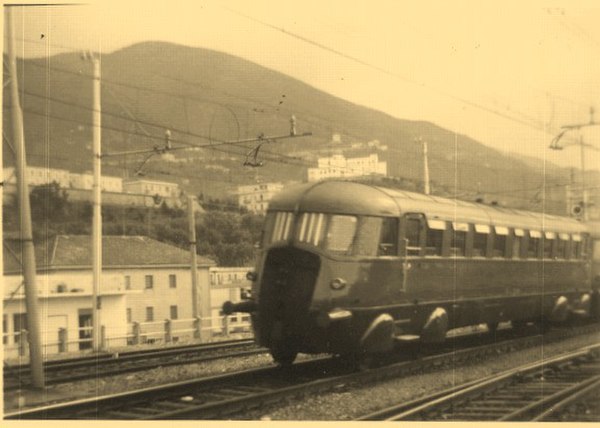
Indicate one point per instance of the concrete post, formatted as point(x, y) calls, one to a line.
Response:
point(63, 344)
point(168, 331)
point(136, 333)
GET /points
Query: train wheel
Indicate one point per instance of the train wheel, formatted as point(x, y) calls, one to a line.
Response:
point(284, 356)
point(518, 325)
point(543, 325)
point(595, 305)
point(492, 328)
point(358, 361)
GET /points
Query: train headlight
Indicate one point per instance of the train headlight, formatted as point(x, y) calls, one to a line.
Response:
point(337, 283)
point(251, 276)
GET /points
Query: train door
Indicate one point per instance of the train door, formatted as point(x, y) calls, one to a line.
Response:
point(85, 325)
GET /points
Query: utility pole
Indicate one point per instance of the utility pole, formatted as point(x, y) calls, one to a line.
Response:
point(555, 146)
point(193, 262)
point(29, 268)
point(584, 200)
point(569, 192)
point(97, 195)
point(203, 312)
point(426, 188)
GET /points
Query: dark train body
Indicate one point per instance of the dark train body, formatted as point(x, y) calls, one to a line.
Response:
point(350, 268)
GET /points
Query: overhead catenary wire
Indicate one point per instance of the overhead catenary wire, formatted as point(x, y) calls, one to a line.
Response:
point(208, 146)
point(243, 154)
point(480, 106)
point(294, 159)
point(153, 90)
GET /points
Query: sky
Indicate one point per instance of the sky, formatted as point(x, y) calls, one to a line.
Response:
point(505, 73)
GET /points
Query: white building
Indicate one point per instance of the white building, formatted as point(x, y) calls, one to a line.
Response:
point(340, 166)
point(37, 176)
point(255, 197)
point(143, 186)
point(86, 181)
point(143, 281)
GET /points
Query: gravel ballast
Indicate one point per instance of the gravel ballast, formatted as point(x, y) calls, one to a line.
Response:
point(347, 403)
point(344, 403)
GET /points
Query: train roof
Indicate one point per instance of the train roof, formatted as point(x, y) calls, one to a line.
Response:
point(365, 199)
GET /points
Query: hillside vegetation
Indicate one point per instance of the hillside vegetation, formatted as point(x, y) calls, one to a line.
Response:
point(205, 97)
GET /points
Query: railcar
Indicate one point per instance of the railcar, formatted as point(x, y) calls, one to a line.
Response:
point(347, 268)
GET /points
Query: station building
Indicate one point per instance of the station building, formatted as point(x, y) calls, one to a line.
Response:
point(143, 280)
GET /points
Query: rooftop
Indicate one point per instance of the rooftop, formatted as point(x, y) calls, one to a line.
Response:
point(74, 252)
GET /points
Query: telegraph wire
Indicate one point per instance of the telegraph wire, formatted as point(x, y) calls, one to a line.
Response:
point(385, 71)
point(440, 91)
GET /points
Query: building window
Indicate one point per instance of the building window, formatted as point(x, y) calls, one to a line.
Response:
point(149, 313)
point(129, 319)
point(149, 281)
point(127, 282)
point(174, 312)
point(19, 324)
point(172, 281)
point(4, 330)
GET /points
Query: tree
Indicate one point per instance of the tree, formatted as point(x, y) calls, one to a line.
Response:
point(48, 202)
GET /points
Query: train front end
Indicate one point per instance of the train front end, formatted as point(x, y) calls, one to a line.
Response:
point(320, 270)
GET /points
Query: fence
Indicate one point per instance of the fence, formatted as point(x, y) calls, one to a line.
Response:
point(137, 333)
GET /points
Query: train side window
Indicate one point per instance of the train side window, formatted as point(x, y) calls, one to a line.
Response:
point(388, 243)
point(368, 236)
point(569, 248)
point(435, 237)
point(480, 237)
point(458, 242)
point(499, 248)
point(548, 244)
point(413, 225)
point(516, 242)
point(533, 244)
point(561, 245)
point(576, 246)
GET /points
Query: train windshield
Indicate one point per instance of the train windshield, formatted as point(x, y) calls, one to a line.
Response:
point(338, 234)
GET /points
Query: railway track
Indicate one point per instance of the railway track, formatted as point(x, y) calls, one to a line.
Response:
point(68, 370)
point(541, 391)
point(237, 394)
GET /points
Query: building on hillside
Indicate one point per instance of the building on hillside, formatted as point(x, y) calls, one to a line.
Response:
point(143, 186)
point(85, 182)
point(37, 176)
point(338, 165)
point(143, 281)
point(255, 197)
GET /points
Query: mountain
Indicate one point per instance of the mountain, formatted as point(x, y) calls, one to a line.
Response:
point(205, 96)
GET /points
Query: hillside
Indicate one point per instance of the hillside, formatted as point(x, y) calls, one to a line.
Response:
point(221, 97)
